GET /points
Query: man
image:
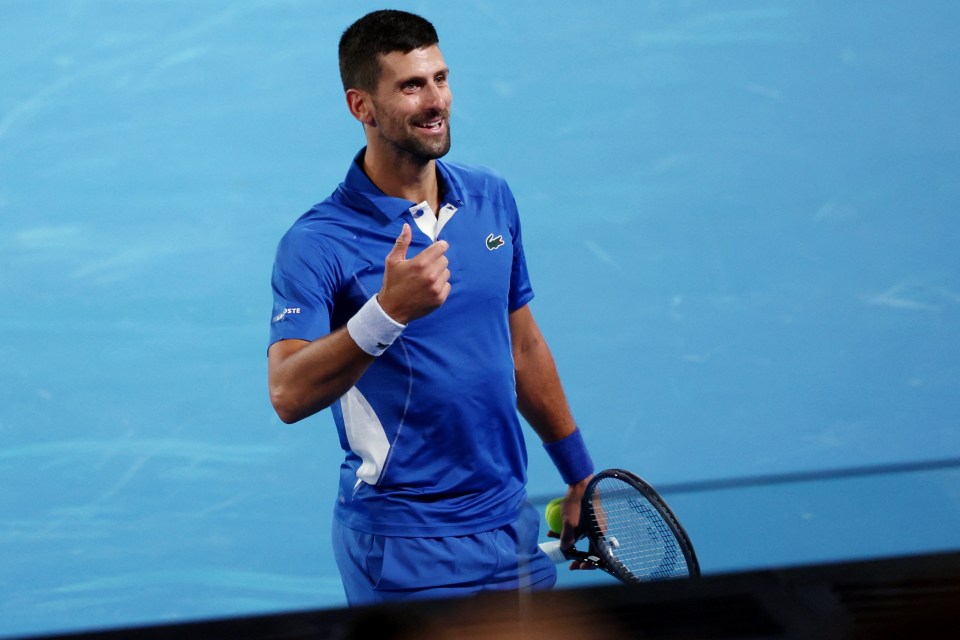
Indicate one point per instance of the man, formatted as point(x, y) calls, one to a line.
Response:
point(401, 302)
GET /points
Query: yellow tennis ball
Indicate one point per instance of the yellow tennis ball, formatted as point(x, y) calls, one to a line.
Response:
point(554, 515)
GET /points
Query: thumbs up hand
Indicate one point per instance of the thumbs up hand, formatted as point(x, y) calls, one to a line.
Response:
point(414, 288)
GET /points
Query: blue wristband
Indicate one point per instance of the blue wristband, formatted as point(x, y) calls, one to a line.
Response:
point(570, 457)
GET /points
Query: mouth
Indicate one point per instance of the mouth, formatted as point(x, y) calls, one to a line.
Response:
point(434, 126)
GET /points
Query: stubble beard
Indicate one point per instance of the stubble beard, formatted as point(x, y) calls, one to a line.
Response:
point(414, 148)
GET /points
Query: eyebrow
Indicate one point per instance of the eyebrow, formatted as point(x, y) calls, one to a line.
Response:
point(417, 77)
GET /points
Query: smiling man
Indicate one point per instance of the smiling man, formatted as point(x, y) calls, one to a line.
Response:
point(413, 326)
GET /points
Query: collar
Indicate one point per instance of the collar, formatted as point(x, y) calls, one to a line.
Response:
point(360, 191)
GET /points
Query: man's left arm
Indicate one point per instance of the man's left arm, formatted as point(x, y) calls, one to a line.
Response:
point(540, 396)
point(543, 404)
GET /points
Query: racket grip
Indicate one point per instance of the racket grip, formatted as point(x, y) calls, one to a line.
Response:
point(552, 549)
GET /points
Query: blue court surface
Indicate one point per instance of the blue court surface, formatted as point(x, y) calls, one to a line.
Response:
point(741, 217)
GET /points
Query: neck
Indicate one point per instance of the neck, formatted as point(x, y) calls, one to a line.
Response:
point(402, 176)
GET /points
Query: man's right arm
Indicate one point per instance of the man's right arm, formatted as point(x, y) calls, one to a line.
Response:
point(306, 377)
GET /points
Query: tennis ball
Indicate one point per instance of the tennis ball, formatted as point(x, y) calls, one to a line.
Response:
point(554, 515)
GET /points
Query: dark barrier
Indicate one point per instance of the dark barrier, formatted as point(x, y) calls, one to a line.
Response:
point(907, 597)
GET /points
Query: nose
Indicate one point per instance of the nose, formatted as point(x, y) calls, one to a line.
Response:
point(436, 97)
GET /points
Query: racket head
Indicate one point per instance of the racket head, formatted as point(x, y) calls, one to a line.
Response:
point(634, 534)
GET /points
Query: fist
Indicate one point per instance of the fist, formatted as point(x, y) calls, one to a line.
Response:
point(414, 288)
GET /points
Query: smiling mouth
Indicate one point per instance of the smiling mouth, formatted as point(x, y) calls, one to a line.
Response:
point(433, 125)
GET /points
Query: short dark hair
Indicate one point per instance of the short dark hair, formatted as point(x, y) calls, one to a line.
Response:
point(377, 34)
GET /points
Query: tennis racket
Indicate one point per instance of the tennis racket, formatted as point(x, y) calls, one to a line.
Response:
point(633, 534)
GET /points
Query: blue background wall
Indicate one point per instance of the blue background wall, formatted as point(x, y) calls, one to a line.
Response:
point(742, 223)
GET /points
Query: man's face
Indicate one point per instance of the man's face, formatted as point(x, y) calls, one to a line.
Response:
point(412, 103)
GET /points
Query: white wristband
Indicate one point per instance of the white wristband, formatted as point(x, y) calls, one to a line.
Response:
point(372, 329)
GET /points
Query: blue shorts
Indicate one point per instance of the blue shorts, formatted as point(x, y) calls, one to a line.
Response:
point(377, 569)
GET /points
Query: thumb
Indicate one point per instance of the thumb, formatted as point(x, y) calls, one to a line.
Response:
point(399, 250)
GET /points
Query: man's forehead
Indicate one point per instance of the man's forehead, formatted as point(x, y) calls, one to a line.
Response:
point(424, 59)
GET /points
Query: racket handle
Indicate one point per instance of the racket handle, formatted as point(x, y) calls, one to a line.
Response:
point(552, 549)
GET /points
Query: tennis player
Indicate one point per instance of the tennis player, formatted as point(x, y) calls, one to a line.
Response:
point(402, 303)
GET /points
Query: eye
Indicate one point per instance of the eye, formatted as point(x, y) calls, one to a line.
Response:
point(441, 79)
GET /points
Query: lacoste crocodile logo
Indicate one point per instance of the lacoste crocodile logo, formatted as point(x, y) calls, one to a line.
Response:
point(494, 242)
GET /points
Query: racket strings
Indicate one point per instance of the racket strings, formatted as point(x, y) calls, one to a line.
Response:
point(633, 535)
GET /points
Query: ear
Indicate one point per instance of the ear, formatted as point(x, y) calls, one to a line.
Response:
point(360, 105)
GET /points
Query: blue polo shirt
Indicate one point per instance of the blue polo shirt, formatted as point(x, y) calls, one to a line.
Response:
point(432, 440)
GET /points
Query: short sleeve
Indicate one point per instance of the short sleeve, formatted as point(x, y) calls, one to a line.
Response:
point(305, 283)
point(521, 290)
